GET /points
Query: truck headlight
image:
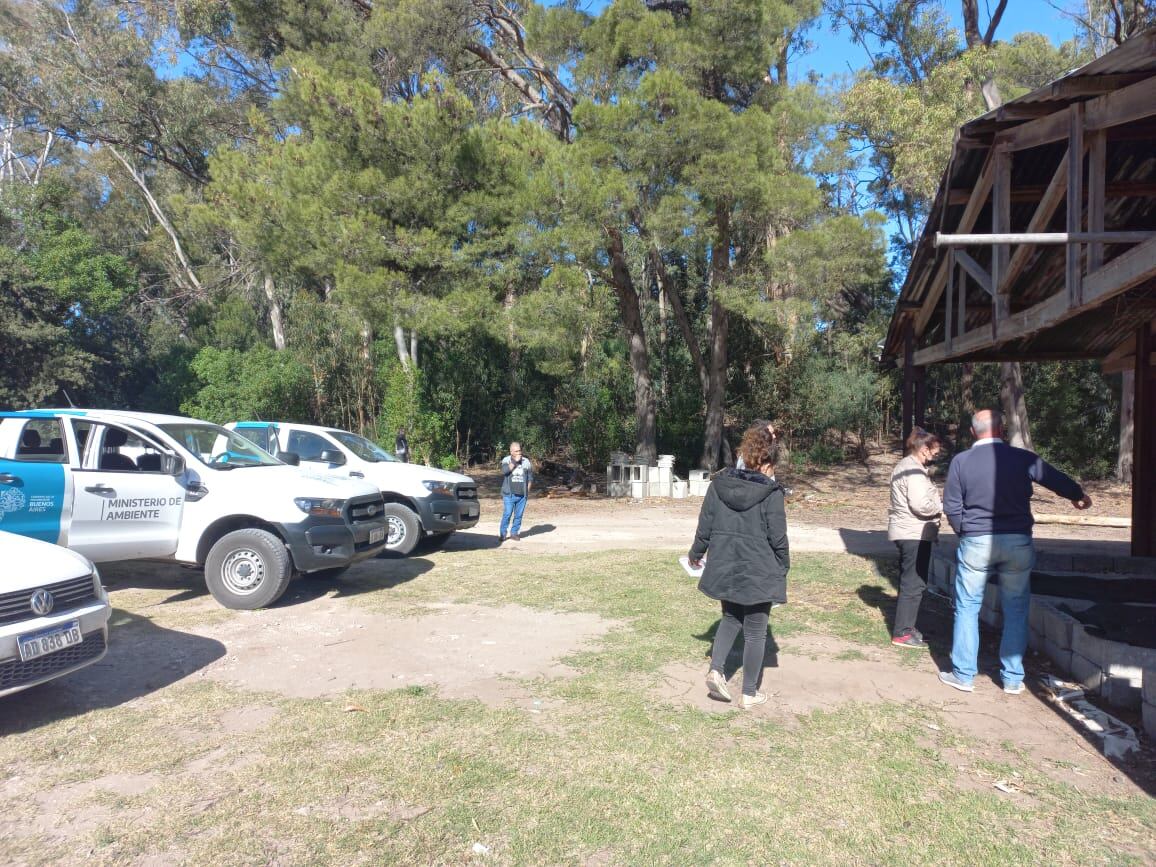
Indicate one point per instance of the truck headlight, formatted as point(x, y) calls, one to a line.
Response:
point(444, 488)
point(327, 508)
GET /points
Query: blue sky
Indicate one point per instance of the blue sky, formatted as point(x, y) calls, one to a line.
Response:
point(835, 54)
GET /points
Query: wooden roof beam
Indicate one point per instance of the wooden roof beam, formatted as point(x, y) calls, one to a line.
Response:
point(1120, 359)
point(1132, 103)
point(1027, 194)
point(1116, 277)
point(979, 195)
point(1094, 85)
point(1049, 203)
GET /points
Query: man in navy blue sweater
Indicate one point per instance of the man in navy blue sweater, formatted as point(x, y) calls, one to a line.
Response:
point(987, 501)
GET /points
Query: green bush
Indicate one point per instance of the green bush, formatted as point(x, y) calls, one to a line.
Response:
point(261, 383)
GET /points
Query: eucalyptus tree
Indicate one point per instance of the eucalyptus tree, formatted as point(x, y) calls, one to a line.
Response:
point(926, 79)
point(694, 147)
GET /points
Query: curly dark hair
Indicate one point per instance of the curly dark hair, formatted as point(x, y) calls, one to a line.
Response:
point(759, 447)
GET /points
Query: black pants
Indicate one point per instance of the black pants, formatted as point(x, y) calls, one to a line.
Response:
point(751, 620)
point(914, 569)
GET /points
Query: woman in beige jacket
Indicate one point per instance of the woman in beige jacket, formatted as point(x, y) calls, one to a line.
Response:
point(913, 525)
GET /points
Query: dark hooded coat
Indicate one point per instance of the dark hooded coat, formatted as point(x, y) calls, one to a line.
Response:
point(742, 530)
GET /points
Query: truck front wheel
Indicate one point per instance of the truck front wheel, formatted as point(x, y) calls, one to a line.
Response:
point(402, 529)
point(248, 569)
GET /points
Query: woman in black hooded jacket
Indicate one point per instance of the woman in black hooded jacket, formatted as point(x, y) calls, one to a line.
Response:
point(743, 526)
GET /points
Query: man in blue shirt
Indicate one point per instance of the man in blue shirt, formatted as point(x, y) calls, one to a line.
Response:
point(987, 501)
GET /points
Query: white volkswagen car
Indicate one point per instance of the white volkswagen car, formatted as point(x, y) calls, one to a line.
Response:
point(53, 612)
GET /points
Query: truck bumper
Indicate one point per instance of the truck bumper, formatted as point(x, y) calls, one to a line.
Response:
point(446, 514)
point(326, 543)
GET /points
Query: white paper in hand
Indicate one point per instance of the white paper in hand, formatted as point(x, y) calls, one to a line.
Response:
point(684, 562)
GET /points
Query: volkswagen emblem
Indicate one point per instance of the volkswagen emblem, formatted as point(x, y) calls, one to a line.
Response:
point(371, 509)
point(42, 603)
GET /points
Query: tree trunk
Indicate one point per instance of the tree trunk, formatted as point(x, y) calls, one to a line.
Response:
point(402, 350)
point(276, 315)
point(966, 384)
point(718, 329)
point(1015, 408)
point(680, 317)
point(645, 410)
point(1127, 414)
point(186, 268)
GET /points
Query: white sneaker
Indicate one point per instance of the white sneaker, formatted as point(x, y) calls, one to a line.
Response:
point(752, 700)
point(716, 685)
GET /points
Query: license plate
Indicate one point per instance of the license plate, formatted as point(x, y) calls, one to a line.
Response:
point(49, 640)
point(472, 512)
point(376, 535)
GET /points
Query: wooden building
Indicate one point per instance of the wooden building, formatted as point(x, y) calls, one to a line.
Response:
point(1041, 245)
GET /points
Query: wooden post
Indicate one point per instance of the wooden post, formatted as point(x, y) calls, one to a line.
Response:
point(908, 378)
point(920, 373)
point(949, 299)
point(961, 318)
point(1000, 253)
point(1144, 445)
point(1097, 170)
point(1073, 274)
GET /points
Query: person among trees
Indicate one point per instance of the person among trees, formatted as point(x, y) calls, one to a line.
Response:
point(913, 525)
point(401, 446)
point(517, 479)
point(743, 527)
point(987, 501)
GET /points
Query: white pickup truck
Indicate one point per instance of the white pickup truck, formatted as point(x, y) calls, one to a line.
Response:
point(117, 485)
point(422, 504)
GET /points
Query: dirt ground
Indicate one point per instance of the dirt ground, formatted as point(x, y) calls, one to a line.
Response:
point(841, 508)
point(506, 648)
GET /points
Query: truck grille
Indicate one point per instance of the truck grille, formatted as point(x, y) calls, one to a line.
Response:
point(16, 605)
point(14, 673)
point(363, 509)
point(467, 492)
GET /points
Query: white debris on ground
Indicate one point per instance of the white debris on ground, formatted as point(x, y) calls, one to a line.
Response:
point(1117, 738)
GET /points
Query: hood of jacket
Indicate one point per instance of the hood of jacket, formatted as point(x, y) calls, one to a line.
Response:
point(743, 489)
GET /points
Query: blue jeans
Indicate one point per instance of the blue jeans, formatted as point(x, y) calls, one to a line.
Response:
point(515, 505)
point(1011, 557)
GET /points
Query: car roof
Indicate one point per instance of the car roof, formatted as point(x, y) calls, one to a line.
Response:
point(315, 428)
point(106, 414)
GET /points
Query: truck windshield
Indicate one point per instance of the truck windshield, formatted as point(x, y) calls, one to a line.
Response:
point(217, 447)
point(362, 447)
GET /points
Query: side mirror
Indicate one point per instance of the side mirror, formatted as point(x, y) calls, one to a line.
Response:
point(333, 456)
point(291, 458)
point(172, 465)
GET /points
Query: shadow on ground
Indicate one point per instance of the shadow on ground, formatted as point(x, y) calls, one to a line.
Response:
point(142, 658)
point(470, 540)
point(735, 658)
point(186, 583)
point(935, 621)
point(365, 577)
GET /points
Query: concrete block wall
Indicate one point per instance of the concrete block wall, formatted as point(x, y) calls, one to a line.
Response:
point(1113, 668)
point(1124, 675)
point(942, 577)
point(1052, 633)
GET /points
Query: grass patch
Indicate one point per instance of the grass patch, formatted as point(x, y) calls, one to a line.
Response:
point(607, 773)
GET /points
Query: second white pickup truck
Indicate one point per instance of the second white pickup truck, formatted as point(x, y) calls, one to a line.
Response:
point(422, 504)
